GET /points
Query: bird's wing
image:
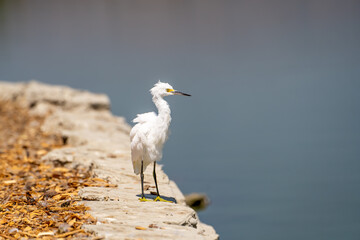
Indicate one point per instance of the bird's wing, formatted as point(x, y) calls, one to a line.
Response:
point(141, 120)
point(138, 138)
point(145, 117)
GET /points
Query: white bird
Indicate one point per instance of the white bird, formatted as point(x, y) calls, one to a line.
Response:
point(150, 133)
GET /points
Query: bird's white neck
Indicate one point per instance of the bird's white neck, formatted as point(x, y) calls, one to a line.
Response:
point(163, 109)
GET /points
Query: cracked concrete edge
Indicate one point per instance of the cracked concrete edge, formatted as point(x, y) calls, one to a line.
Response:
point(99, 141)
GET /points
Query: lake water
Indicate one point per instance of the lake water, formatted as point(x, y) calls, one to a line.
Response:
point(272, 131)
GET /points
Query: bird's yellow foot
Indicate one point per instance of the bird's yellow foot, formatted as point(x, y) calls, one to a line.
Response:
point(143, 199)
point(158, 198)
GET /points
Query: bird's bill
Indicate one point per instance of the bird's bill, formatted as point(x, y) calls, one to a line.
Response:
point(180, 93)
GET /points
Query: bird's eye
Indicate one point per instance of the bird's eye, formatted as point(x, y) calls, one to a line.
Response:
point(169, 90)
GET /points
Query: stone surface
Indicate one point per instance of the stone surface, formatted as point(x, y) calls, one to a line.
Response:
point(99, 141)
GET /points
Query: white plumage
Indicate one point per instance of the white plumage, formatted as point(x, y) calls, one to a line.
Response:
point(151, 131)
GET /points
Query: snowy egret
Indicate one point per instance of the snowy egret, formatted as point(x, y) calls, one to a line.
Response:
point(150, 133)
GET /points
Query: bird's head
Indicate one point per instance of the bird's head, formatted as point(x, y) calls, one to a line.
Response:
point(161, 89)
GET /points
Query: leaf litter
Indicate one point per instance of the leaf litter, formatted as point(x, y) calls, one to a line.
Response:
point(37, 199)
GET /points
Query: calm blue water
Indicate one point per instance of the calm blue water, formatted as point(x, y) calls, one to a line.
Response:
point(272, 131)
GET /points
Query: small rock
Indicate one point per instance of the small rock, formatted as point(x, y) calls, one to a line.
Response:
point(193, 221)
point(153, 226)
point(43, 204)
point(50, 194)
point(13, 230)
point(63, 228)
point(197, 201)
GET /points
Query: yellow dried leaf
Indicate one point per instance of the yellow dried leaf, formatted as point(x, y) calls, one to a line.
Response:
point(45, 234)
point(60, 169)
point(98, 179)
point(32, 215)
point(41, 152)
point(27, 221)
point(140, 228)
point(56, 197)
point(9, 181)
point(23, 211)
point(58, 189)
point(27, 229)
point(72, 221)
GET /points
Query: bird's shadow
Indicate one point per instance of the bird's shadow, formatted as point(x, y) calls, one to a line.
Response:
point(152, 197)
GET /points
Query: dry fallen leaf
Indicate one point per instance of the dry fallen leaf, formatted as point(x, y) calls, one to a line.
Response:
point(45, 234)
point(71, 222)
point(27, 229)
point(140, 228)
point(41, 152)
point(9, 181)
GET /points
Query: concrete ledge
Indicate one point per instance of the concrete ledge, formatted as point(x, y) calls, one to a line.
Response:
point(99, 141)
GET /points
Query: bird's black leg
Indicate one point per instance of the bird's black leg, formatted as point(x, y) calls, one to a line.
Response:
point(142, 199)
point(154, 174)
point(142, 179)
point(158, 198)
